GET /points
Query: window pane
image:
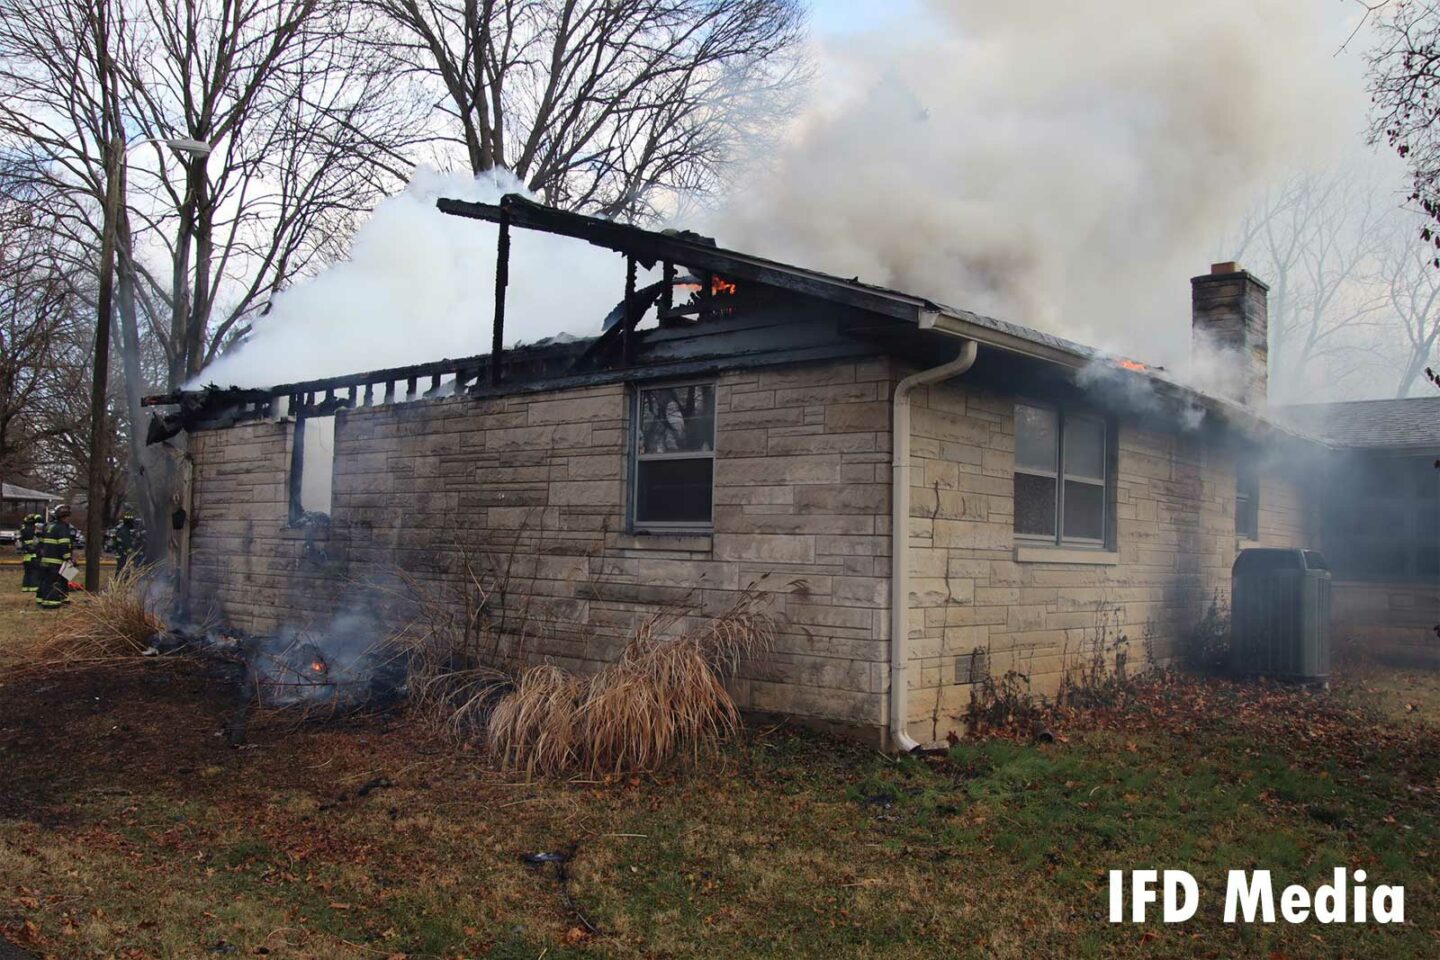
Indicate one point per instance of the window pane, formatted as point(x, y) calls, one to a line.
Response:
point(1084, 511)
point(1036, 438)
point(317, 464)
point(673, 491)
point(1084, 448)
point(677, 419)
point(1247, 518)
point(1034, 505)
point(1247, 500)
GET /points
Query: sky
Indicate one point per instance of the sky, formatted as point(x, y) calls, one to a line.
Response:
point(836, 18)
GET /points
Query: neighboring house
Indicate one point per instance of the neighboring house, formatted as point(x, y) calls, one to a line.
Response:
point(16, 502)
point(1051, 499)
point(1381, 534)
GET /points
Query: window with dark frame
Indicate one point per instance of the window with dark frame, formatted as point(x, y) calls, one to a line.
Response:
point(1061, 476)
point(1247, 501)
point(674, 456)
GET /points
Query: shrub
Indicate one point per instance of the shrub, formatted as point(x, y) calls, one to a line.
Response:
point(1205, 647)
point(116, 622)
point(1003, 702)
point(665, 698)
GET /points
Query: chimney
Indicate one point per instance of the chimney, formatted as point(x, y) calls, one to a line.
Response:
point(1229, 319)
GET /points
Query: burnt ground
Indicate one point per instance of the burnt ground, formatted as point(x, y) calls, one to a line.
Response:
point(130, 828)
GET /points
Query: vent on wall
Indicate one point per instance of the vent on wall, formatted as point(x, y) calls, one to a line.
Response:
point(972, 667)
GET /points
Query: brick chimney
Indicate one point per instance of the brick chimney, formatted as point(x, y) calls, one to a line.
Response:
point(1229, 321)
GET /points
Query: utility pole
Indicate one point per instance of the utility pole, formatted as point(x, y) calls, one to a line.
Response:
point(109, 227)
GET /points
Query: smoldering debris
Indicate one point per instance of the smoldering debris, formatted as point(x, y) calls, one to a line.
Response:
point(348, 665)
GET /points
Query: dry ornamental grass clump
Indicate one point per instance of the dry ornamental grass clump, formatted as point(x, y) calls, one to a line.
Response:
point(112, 624)
point(664, 698)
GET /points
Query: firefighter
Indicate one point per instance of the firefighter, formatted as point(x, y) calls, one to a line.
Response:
point(125, 542)
point(57, 543)
point(29, 535)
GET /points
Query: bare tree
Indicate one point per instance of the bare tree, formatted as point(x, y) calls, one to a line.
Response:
point(602, 105)
point(1316, 240)
point(305, 129)
point(1405, 95)
point(308, 131)
point(1412, 286)
point(37, 321)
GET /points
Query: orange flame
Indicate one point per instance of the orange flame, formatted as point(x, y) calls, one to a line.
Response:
point(318, 666)
point(1133, 365)
point(721, 285)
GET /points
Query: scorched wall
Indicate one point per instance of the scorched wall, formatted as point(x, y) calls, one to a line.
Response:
point(535, 484)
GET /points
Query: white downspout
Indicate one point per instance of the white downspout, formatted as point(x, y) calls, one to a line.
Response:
point(900, 536)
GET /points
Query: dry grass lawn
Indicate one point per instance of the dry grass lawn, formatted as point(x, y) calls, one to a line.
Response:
point(129, 829)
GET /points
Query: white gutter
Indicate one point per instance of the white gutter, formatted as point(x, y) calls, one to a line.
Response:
point(900, 536)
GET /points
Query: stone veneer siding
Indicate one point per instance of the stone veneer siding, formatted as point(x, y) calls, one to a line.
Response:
point(1174, 538)
point(537, 482)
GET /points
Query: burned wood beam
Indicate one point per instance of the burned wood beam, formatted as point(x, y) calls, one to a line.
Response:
point(297, 467)
point(627, 333)
point(234, 395)
point(667, 293)
point(691, 250)
point(625, 315)
point(502, 280)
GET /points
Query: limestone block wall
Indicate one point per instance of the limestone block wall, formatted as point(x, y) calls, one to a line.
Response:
point(245, 561)
point(971, 591)
point(532, 489)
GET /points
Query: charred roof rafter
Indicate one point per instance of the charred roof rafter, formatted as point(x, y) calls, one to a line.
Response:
point(650, 247)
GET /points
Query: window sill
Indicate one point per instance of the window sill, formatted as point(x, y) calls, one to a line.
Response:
point(1095, 557)
point(682, 542)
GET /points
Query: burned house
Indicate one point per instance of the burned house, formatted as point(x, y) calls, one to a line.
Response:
point(939, 495)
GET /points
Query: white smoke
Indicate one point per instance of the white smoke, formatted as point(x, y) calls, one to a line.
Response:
point(1063, 165)
point(419, 285)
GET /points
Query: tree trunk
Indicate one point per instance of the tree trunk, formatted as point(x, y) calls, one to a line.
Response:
point(146, 465)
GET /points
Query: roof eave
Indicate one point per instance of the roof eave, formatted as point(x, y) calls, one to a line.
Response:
point(960, 326)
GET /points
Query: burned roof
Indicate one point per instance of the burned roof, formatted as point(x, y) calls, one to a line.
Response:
point(707, 337)
point(1412, 423)
point(702, 253)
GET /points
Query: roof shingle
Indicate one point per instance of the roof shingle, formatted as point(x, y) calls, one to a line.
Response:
point(1373, 424)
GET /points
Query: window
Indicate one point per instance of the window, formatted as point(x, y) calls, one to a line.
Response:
point(312, 462)
point(674, 455)
point(1061, 476)
point(1247, 501)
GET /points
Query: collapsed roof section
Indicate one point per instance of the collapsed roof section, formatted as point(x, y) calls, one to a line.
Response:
point(742, 310)
point(649, 247)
